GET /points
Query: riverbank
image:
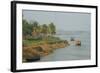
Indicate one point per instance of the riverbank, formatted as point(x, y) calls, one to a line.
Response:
point(36, 51)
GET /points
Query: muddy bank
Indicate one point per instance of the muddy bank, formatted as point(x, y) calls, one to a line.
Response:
point(35, 52)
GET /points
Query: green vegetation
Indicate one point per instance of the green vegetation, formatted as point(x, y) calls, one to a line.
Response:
point(27, 28)
point(36, 31)
point(49, 40)
point(39, 40)
point(52, 29)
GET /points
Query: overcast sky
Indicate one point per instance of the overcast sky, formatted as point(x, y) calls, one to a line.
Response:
point(67, 21)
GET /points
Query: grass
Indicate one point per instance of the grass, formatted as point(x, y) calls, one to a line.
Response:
point(30, 42)
point(49, 40)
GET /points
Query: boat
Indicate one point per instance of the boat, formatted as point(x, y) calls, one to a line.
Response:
point(78, 43)
point(72, 39)
point(33, 59)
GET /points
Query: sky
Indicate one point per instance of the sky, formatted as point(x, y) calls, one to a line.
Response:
point(67, 21)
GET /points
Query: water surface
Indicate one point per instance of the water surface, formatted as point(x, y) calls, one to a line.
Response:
point(71, 52)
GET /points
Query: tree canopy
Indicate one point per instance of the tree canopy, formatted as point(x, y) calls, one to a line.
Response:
point(34, 29)
point(26, 27)
point(52, 28)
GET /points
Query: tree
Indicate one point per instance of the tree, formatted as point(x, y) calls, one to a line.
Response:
point(39, 29)
point(35, 28)
point(27, 28)
point(52, 28)
point(44, 29)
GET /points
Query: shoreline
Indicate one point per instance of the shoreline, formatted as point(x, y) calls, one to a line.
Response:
point(38, 51)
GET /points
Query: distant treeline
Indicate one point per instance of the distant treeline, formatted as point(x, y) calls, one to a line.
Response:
point(35, 29)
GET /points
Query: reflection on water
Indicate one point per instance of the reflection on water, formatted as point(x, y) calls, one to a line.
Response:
point(72, 52)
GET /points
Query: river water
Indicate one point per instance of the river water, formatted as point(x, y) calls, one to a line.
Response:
point(71, 52)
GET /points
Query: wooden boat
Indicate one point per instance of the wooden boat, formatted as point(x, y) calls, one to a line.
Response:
point(72, 39)
point(33, 59)
point(78, 43)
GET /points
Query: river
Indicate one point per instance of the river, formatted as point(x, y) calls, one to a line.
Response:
point(71, 52)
